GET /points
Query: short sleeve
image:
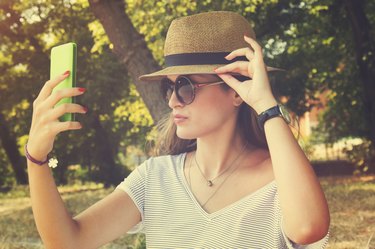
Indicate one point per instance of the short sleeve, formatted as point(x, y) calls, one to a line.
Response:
point(134, 186)
point(320, 244)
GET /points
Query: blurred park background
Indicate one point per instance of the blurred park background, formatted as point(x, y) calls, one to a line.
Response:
point(327, 48)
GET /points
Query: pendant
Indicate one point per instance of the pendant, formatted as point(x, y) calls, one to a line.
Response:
point(209, 183)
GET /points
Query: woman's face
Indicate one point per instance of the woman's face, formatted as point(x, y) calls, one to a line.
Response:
point(212, 108)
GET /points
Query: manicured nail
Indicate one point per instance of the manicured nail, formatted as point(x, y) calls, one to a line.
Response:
point(81, 89)
point(67, 72)
point(85, 109)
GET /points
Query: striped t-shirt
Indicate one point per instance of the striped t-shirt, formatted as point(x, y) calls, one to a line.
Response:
point(172, 217)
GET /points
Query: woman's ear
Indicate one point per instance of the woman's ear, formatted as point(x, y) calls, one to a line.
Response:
point(237, 100)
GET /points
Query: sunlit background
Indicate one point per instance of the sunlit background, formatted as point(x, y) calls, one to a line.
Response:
point(327, 48)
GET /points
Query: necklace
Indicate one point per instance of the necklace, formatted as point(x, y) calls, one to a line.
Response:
point(219, 186)
point(210, 182)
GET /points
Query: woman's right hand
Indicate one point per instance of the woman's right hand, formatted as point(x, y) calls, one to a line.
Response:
point(45, 124)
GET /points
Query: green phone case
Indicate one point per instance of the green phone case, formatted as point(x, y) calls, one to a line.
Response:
point(63, 58)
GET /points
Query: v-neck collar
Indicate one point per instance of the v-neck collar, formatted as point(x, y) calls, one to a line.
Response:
point(213, 215)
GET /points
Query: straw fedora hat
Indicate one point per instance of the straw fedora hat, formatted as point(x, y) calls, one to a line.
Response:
point(197, 44)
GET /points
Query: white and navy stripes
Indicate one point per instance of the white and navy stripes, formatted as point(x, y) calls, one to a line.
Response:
point(172, 218)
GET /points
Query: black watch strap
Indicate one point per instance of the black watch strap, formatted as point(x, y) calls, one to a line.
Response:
point(268, 114)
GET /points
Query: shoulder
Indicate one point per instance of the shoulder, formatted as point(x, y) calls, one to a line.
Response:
point(258, 163)
point(165, 159)
point(163, 162)
point(258, 157)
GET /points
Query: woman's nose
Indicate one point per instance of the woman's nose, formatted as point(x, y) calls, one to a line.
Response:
point(173, 101)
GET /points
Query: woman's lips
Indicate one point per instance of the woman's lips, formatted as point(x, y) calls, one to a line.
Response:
point(178, 119)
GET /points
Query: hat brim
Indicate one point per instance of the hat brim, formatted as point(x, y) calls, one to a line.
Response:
point(187, 70)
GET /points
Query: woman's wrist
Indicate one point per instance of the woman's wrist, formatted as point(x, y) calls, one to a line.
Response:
point(52, 162)
point(33, 159)
point(264, 105)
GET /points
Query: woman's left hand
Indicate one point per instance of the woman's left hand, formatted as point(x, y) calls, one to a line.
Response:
point(256, 92)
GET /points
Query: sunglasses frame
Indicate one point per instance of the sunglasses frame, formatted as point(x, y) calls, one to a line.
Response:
point(192, 84)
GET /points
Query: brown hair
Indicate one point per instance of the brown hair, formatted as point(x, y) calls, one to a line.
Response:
point(168, 143)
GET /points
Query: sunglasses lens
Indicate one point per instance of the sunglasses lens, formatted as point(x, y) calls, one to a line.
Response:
point(167, 87)
point(185, 90)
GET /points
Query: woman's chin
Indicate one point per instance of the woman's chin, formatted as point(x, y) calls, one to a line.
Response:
point(185, 134)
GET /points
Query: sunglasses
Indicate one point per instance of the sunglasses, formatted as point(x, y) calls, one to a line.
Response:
point(184, 88)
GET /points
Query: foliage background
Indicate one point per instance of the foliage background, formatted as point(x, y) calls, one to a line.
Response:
point(311, 39)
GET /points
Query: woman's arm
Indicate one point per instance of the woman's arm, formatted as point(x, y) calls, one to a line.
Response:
point(116, 213)
point(303, 204)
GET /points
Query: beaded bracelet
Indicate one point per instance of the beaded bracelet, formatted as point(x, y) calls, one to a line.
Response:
point(52, 162)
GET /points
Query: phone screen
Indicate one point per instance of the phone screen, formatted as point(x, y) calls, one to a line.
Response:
point(63, 58)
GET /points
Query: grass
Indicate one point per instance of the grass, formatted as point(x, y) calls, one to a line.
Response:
point(352, 206)
point(351, 201)
point(17, 228)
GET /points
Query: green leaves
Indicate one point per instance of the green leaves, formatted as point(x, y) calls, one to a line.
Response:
point(24, 63)
point(311, 39)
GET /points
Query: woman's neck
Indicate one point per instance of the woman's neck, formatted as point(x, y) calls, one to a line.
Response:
point(216, 153)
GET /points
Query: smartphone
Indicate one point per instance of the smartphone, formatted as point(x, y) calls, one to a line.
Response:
point(63, 58)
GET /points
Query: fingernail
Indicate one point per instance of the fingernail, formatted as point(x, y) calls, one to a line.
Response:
point(67, 72)
point(85, 109)
point(81, 89)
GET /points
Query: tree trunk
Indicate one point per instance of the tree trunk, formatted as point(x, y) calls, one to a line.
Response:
point(105, 154)
point(365, 55)
point(8, 139)
point(132, 50)
point(11, 149)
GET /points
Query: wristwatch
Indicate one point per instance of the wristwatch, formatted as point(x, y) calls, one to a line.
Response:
point(276, 111)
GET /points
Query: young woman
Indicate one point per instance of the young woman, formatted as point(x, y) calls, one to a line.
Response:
point(229, 174)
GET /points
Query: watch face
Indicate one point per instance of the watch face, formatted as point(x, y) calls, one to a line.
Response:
point(285, 113)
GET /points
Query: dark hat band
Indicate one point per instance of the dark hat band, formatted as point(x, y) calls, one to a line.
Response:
point(200, 59)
